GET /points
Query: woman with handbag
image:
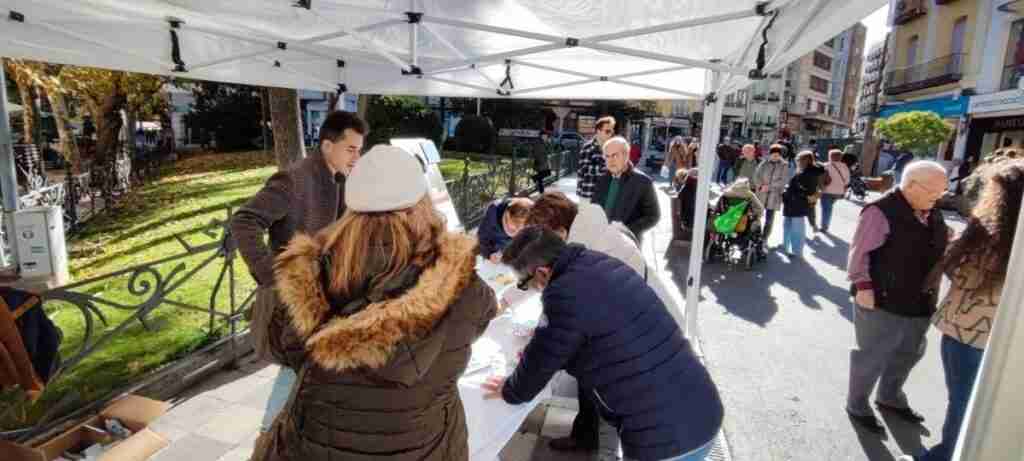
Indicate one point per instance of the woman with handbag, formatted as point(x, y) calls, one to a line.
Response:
point(798, 200)
point(379, 313)
point(835, 187)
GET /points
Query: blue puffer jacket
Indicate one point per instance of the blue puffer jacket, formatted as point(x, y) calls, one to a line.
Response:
point(491, 232)
point(607, 328)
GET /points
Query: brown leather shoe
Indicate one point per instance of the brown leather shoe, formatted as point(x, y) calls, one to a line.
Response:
point(570, 444)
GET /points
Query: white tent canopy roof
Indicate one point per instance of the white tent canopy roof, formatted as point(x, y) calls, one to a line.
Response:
point(564, 49)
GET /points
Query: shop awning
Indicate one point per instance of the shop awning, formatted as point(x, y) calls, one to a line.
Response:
point(945, 107)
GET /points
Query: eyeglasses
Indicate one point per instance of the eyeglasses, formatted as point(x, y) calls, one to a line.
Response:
point(524, 283)
point(932, 193)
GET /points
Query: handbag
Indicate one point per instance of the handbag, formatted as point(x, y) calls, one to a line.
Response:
point(259, 316)
point(266, 441)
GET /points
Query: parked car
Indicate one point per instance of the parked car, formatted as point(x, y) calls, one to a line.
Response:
point(570, 141)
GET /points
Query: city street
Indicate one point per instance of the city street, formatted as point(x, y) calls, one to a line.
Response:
point(777, 340)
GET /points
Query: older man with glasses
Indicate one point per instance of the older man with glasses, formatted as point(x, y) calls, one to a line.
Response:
point(899, 240)
point(591, 159)
point(627, 195)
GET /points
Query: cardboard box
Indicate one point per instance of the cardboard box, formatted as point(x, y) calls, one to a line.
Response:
point(133, 411)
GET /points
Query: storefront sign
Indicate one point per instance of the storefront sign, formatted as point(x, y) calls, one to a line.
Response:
point(997, 102)
point(945, 107)
point(990, 125)
point(518, 133)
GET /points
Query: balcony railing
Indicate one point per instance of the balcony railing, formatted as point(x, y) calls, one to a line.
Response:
point(1011, 75)
point(941, 71)
point(735, 104)
point(773, 97)
point(908, 10)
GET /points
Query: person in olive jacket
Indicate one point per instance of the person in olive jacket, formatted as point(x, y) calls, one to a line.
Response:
point(381, 311)
point(626, 194)
point(608, 329)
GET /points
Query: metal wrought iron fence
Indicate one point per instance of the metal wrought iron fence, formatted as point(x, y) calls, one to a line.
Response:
point(504, 177)
point(145, 290)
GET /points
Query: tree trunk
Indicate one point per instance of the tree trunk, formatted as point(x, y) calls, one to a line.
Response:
point(287, 125)
point(28, 104)
point(108, 127)
point(68, 146)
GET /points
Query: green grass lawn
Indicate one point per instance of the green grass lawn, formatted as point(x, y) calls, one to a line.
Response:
point(184, 201)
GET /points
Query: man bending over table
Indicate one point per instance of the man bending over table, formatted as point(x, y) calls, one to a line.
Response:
point(607, 328)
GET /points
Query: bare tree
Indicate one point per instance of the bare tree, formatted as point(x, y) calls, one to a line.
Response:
point(287, 125)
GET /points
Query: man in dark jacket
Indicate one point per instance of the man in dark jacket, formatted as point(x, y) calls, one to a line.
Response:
point(306, 197)
point(608, 328)
point(502, 221)
point(899, 240)
point(626, 194)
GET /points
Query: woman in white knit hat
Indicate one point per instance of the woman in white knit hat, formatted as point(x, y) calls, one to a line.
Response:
point(380, 311)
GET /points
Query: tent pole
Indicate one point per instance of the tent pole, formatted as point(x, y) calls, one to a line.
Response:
point(414, 34)
point(991, 426)
point(8, 178)
point(819, 5)
point(708, 141)
point(686, 24)
point(458, 53)
point(592, 78)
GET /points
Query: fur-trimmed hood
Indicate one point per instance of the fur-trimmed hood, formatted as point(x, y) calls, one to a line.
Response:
point(396, 337)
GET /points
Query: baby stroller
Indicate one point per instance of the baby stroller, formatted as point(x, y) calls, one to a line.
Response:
point(744, 244)
point(858, 188)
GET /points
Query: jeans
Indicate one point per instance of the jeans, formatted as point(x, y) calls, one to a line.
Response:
point(283, 383)
point(769, 222)
point(722, 176)
point(793, 235)
point(961, 363)
point(828, 203)
point(699, 454)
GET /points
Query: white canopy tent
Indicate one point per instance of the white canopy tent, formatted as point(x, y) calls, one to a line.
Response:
point(537, 49)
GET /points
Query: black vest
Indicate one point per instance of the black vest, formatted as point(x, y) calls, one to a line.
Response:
point(900, 267)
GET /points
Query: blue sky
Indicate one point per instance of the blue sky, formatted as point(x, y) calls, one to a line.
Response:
point(877, 27)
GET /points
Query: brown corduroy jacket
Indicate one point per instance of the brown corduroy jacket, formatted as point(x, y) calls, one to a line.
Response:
point(304, 198)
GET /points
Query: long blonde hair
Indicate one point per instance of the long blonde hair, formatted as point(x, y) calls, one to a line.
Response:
point(358, 241)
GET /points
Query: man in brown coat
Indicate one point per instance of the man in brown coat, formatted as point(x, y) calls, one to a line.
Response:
point(306, 197)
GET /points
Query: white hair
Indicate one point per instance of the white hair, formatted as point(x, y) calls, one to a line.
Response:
point(615, 140)
point(919, 169)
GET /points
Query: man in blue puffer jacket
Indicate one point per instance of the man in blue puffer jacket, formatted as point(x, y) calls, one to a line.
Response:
point(609, 329)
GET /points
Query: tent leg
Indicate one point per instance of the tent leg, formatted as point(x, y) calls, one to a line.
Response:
point(8, 178)
point(708, 141)
point(991, 428)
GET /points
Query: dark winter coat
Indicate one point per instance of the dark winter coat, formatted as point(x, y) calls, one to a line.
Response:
point(608, 328)
point(637, 204)
point(795, 200)
point(380, 384)
point(492, 235)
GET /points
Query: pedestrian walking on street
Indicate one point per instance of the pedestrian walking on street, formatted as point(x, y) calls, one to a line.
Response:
point(976, 265)
point(591, 160)
point(899, 241)
point(835, 189)
point(608, 329)
point(626, 194)
point(798, 202)
point(727, 156)
point(307, 197)
point(380, 312)
point(679, 157)
point(770, 182)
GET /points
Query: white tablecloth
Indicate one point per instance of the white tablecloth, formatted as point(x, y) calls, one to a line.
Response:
point(492, 423)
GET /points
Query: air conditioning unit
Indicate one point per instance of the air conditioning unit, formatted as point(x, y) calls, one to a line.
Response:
point(39, 239)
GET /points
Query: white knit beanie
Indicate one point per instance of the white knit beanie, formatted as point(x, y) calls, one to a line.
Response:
point(386, 178)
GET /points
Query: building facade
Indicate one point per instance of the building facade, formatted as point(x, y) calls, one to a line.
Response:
point(870, 96)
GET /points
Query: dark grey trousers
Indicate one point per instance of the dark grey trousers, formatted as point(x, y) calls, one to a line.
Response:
point(887, 347)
